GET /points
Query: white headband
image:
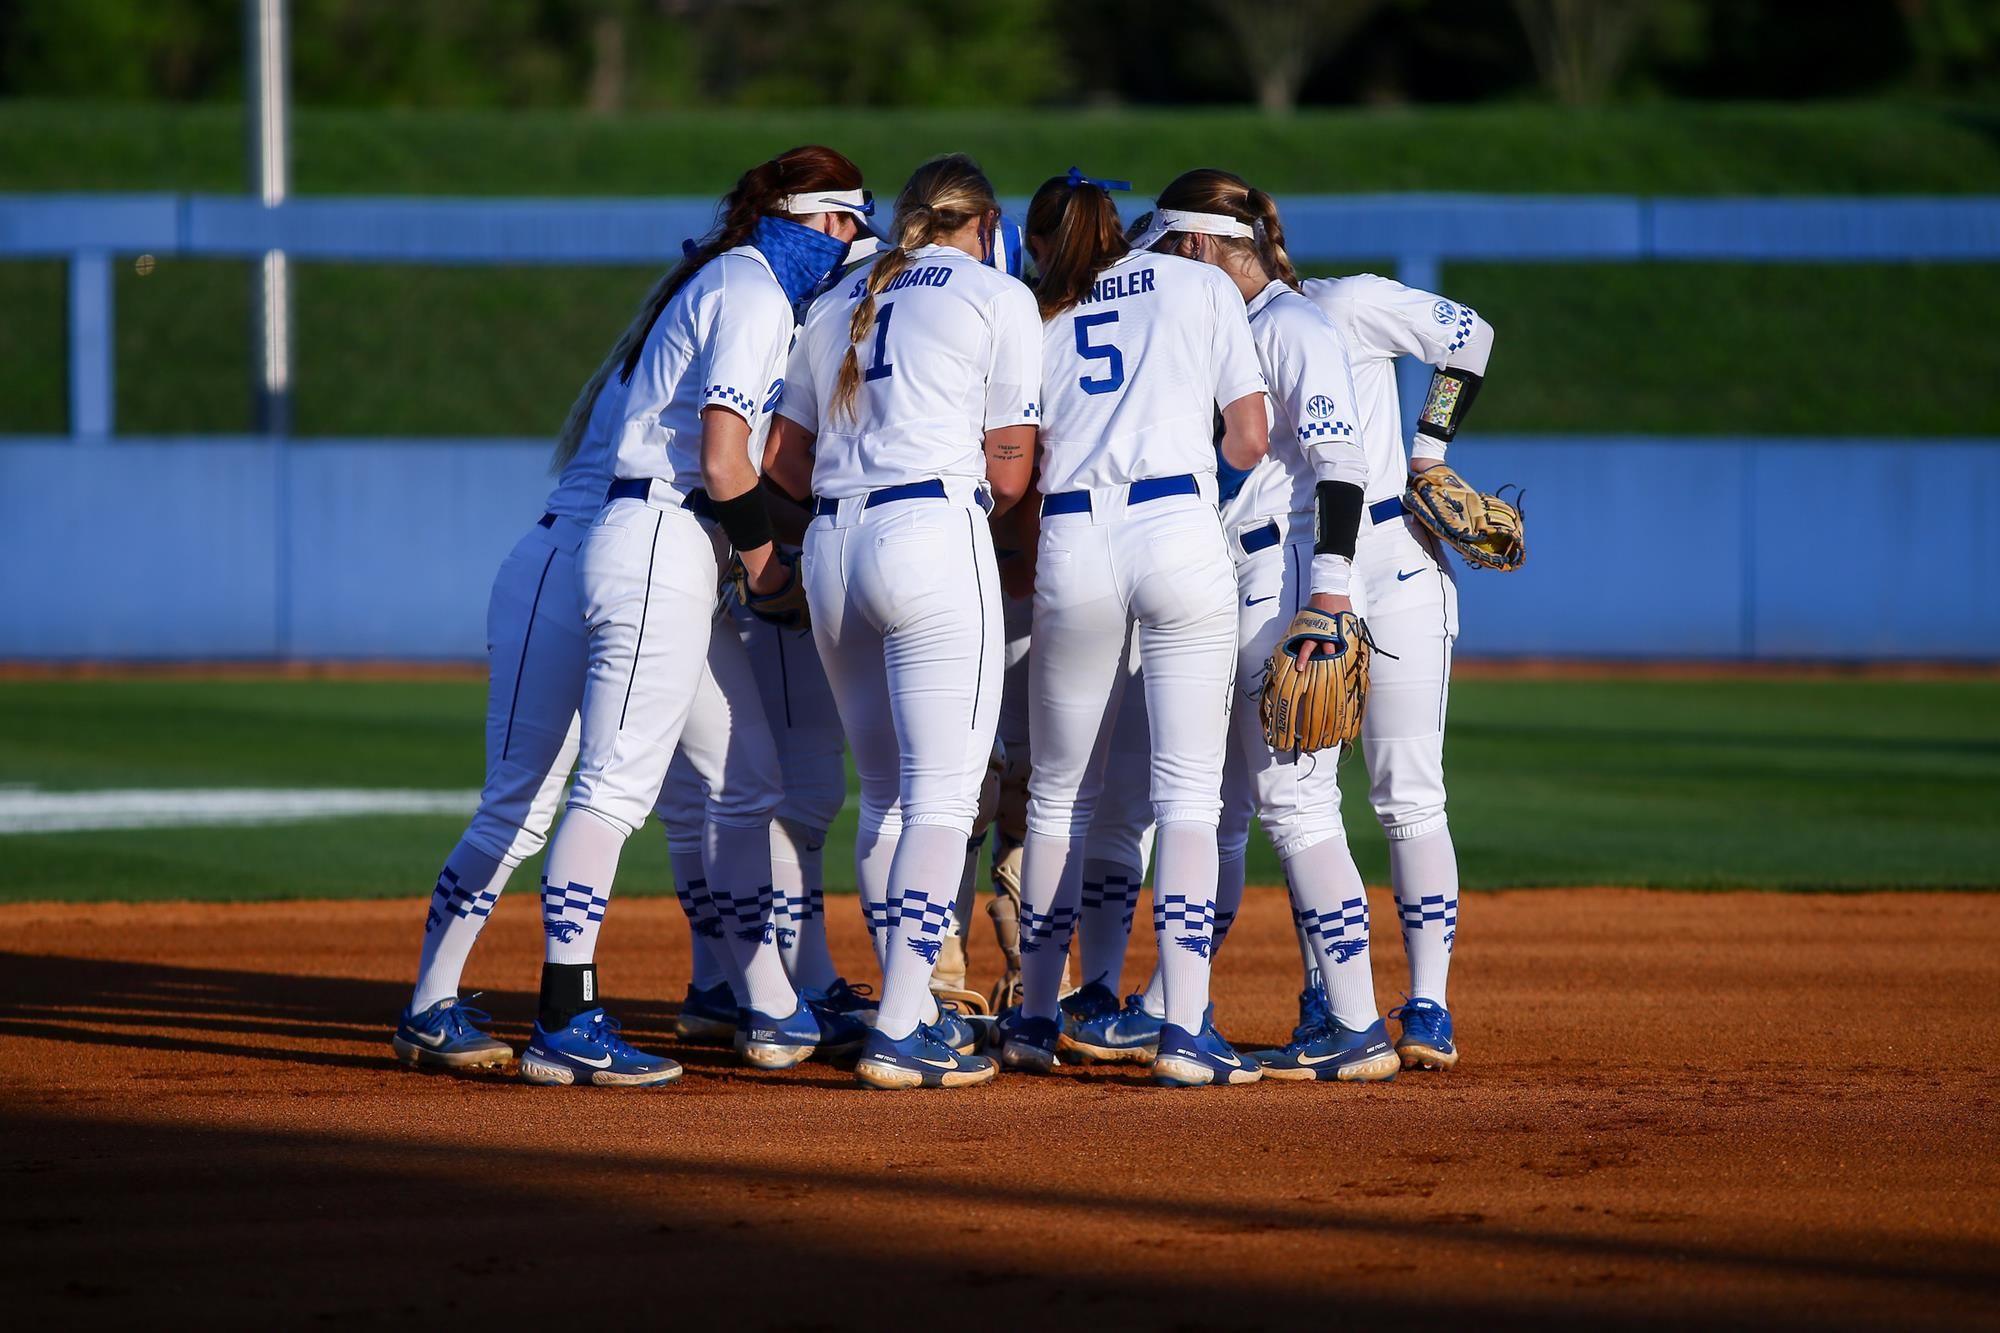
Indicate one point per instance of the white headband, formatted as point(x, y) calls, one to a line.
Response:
point(1166, 220)
point(861, 203)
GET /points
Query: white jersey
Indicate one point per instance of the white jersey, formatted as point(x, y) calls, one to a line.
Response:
point(956, 352)
point(579, 491)
point(1381, 320)
point(1132, 374)
point(1316, 429)
point(721, 342)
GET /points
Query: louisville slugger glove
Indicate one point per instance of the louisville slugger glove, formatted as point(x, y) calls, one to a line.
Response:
point(1319, 706)
point(785, 608)
point(1485, 529)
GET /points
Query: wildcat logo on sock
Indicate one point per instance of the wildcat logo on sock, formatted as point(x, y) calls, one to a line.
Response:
point(1198, 945)
point(1449, 936)
point(760, 932)
point(563, 931)
point(787, 937)
point(1342, 950)
point(927, 950)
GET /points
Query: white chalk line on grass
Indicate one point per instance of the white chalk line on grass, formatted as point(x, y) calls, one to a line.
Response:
point(28, 810)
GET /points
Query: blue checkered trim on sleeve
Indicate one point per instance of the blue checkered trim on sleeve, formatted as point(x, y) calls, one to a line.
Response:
point(728, 397)
point(1314, 429)
point(1462, 333)
point(1032, 412)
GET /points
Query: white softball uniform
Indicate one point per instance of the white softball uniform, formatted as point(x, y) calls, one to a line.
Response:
point(900, 574)
point(1132, 553)
point(1315, 437)
point(1403, 586)
point(648, 569)
point(899, 563)
point(536, 653)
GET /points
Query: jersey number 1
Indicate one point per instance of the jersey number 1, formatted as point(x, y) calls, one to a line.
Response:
point(883, 367)
point(1114, 371)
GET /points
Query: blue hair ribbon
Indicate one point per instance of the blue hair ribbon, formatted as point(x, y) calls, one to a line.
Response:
point(1076, 178)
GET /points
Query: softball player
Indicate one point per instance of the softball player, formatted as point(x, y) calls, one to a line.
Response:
point(1410, 598)
point(910, 408)
point(697, 395)
point(1139, 350)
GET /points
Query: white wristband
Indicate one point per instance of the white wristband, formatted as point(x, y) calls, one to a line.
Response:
point(1332, 575)
point(1426, 446)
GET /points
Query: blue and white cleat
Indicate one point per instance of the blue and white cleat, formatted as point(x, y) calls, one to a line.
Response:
point(1096, 1027)
point(590, 1051)
point(1029, 1044)
point(1199, 1059)
point(842, 998)
point(840, 1033)
point(1425, 1041)
point(953, 1028)
point(1335, 1054)
point(707, 1017)
point(448, 1036)
point(920, 1060)
point(765, 1042)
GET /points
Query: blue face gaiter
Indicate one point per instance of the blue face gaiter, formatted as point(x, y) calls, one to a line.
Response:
point(800, 256)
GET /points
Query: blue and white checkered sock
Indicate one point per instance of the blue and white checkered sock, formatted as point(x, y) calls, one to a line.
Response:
point(923, 884)
point(1184, 917)
point(1105, 907)
point(467, 888)
point(1425, 872)
point(798, 905)
point(1051, 886)
point(738, 862)
point(711, 962)
point(1330, 905)
point(576, 885)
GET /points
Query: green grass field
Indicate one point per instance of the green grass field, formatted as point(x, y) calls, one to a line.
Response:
point(1782, 784)
point(482, 351)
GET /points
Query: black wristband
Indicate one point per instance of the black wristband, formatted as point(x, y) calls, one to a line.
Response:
point(1445, 406)
point(1336, 518)
point(744, 519)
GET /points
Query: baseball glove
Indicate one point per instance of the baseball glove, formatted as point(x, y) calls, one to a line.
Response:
point(1319, 706)
point(1485, 529)
point(785, 608)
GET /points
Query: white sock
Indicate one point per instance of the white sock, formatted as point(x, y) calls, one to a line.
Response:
point(1108, 897)
point(1154, 998)
point(1331, 907)
point(467, 888)
point(576, 885)
point(1229, 873)
point(1184, 918)
point(738, 861)
point(1425, 872)
point(923, 886)
point(711, 962)
point(1051, 884)
point(798, 904)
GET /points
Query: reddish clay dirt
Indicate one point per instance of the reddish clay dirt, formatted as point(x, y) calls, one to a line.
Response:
point(1731, 1109)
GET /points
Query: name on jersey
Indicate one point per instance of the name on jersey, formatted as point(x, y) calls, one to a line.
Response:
point(1121, 284)
point(930, 275)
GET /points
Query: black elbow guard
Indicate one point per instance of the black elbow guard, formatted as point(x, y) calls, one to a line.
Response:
point(1336, 518)
point(1449, 399)
point(744, 520)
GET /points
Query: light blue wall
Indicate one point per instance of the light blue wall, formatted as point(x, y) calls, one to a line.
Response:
point(203, 548)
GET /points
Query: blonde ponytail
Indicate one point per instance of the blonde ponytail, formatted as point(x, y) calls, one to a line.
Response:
point(942, 196)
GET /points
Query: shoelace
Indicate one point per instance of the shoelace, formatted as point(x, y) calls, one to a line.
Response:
point(1424, 1021)
point(843, 991)
point(604, 1032)
point(1313, 1021)
point(463, 1021)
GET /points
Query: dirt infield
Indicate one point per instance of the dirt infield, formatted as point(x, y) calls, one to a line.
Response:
point(1736, 1109)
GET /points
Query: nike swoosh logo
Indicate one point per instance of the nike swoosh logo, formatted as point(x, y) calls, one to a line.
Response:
point(605, 1063)
point(1400, 575)
point(937, 1064)
point(1322, 1059)
point(429, 1040)
point(1252, 601)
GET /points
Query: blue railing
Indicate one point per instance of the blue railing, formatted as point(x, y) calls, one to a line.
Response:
point(1418, 232)
point(1653, 547)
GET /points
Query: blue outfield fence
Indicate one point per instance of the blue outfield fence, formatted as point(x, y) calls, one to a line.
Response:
point(1638, 546)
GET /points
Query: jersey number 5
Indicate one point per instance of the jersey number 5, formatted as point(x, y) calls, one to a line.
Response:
point(1114, 370)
